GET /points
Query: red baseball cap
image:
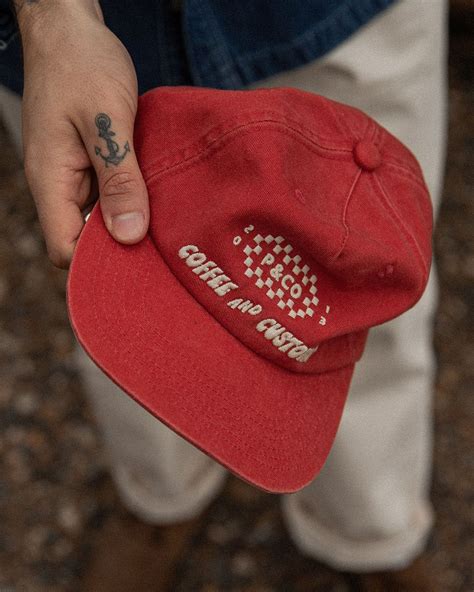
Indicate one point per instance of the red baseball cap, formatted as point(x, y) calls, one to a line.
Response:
point(283, 226)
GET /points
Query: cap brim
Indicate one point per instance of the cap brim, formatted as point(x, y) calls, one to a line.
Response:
point(270, 426)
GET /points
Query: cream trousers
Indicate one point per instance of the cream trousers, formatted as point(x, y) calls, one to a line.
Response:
point(369, 508)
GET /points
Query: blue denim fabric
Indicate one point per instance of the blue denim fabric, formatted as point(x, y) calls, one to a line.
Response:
point(214, 43)
point(232, 44)
point(11, 69)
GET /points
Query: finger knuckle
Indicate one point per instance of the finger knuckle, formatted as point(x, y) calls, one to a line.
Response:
point(120, 185)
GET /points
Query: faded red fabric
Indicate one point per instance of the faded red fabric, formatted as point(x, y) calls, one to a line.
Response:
point(283, 226)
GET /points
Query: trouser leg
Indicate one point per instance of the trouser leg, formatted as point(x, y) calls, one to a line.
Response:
point(159, 475)
point(369, 508)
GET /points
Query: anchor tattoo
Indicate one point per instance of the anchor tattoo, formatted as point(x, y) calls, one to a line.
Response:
point(103, 124)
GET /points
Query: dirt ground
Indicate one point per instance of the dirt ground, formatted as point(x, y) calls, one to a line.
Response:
point(55, 492)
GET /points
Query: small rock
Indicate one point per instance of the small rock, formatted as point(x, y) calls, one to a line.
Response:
point(28, 246)
point(35, 542)
point(243, 565)
point(69, 518)
point(26, 403)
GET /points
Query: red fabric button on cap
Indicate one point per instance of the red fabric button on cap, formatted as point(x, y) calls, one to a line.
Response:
point(367, 155)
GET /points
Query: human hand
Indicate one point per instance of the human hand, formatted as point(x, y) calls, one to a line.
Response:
point(79, 106)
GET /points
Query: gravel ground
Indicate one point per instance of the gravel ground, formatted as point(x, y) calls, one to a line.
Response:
point(54, 488)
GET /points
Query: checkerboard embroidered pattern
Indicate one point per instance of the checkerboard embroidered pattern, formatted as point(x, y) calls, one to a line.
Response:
point(270, 260)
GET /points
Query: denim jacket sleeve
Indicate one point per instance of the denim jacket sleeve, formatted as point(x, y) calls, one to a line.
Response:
point(232, 44)
point(8, 28)
point(11, 70)
point(213, 43)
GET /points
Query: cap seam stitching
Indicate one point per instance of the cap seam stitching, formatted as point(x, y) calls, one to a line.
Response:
point(255, 117)
point(344, 214)
point(375, 137)
point(341, 122)
point(229, 135)
point(402, 225)
point(402, 163)
point(261, 116)
point(408, 174)
point(394, 162)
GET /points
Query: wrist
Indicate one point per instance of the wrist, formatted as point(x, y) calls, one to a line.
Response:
point(32, 14)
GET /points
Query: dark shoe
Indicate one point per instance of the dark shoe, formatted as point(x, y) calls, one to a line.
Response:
point(131, 556)
point(417, 577)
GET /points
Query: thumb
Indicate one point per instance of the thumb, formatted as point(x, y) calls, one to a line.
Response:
point(122, 191)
